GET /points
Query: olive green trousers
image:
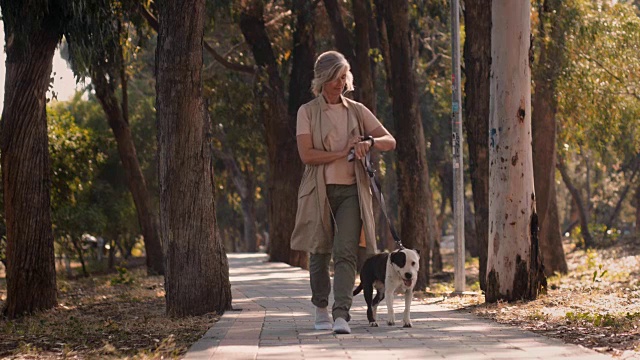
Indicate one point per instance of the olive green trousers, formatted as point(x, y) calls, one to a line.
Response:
point(347, 226)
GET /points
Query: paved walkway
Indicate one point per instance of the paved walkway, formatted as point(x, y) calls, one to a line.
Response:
point(273, 319)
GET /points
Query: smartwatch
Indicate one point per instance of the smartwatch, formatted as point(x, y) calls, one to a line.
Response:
point(369, 137)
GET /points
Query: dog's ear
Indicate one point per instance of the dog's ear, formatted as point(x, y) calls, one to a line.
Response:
point(399, 258)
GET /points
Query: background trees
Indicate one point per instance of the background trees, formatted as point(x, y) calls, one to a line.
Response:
point(256, 71)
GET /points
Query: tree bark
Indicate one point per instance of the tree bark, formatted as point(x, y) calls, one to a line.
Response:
point(26, 173)
point(245, 187)
point(514, 268)
point(196, 266)
point(362, 67)
point(147, 217)
point(416, 204)
point(383, 37)
point(477, 59)
point(304, 45)
point(285, 166)
point(341, 35)
point(583, 211)
point(543, 128)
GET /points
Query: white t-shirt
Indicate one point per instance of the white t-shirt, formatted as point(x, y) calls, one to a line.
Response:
point(339, 171)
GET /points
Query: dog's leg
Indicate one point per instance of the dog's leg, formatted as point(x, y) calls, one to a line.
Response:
point(408, 295)
point(388, 294)
point(371, 312)
point(376, 301)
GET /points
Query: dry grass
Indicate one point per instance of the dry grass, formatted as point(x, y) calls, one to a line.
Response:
point(595, 305)
point(119, 315)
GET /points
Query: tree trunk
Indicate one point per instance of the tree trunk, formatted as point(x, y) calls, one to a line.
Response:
point(625, 191)
point(248, 205)
point(362, 67)
point(383, 37)
point(147, 217)
point(341, 35)
point(637, 212)
point(583, 211)
point(304, 44)
point(26, 173)
point(245, 187)
point(543, 128)
point(285, 166)
point(477, 59)
point(196, 266)
point(416, 204)
point(470, 235)
point(514, 269)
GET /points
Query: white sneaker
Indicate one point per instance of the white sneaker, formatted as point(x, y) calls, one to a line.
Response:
point(323, 321)
point(341, 326)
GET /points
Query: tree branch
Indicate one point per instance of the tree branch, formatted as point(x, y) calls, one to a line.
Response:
point(153, 22)
point(619, 79)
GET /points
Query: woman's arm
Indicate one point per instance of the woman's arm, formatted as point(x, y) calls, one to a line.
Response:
point(311, 156)
point(382, 141)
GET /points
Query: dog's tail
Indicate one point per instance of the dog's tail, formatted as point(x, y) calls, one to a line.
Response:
point(357, 290)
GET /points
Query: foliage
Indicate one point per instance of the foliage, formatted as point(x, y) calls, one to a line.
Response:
point(75, 155)
point(122, 278)
point(599, 103)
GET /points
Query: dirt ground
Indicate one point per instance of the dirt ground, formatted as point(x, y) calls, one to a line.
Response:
point(110, 316)
point(595, 305)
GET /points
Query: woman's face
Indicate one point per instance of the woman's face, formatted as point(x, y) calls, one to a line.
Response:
point(335, 87)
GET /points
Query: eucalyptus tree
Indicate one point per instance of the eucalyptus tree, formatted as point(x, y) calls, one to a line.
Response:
point(278, 117)
point(514, 269)
point(32, 32)
point(412, 169)
point(552, 22)
point(477, 60)
point(196, 266)
point(598, 110)
point(103, 57)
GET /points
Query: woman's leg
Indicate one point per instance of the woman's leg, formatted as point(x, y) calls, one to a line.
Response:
point(320, 280)
point(346, 208)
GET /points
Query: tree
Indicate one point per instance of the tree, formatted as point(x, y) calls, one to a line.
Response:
point(285, 166)
point(118, 121)
point(598, 108)
point(413, 175)
point(477, 60)
point(196, 267)
point(543, 127)
point(514, 268)
point(31, 42)
point(101, 53)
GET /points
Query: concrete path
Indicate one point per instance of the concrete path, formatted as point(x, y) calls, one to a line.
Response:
point(273, 319)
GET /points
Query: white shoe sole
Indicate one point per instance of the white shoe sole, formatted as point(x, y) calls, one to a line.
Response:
point(323, 326)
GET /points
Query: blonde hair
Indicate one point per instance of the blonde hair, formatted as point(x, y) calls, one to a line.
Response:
point(329, 66)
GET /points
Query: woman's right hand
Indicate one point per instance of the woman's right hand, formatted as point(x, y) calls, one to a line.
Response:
point(351, 143)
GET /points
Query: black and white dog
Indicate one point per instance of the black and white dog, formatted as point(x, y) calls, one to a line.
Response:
point(388, 273)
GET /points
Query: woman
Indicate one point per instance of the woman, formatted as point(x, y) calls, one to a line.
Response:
point(334, 199)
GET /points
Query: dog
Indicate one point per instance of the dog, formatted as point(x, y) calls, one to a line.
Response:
point(388, 273)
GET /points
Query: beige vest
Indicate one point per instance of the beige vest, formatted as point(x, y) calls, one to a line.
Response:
point(313, 232)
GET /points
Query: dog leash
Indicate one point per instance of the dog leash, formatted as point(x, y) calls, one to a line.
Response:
point(376, 189)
